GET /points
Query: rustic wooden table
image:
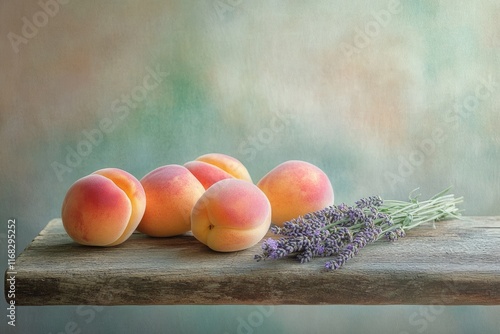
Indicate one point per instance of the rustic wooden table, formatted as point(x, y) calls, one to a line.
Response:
point(452, 263)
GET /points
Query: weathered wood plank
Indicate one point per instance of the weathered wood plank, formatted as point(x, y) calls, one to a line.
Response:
point(455, 263)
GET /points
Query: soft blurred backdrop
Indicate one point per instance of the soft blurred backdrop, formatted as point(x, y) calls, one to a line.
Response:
point(384, 96)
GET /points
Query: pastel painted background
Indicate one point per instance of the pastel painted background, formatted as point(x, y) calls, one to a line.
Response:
point(384, 96)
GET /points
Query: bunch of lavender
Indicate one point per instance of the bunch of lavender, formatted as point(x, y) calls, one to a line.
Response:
point(341, 231)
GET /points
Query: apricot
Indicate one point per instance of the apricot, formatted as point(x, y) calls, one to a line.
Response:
point(206, 173)
point(231, 215)
point(171, 192)
point(295, 188)
point(103, 208)
point(228, 164)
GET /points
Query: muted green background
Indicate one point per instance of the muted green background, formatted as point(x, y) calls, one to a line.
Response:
point(384, 97)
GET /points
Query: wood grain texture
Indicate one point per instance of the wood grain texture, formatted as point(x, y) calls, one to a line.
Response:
point(452, 263)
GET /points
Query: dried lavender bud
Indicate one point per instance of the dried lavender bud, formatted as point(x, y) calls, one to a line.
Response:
point(391, 236)
point(395, 234)
point(305, 256)
point(361, 239)
point(368, 202)
point(302, 226)
point(384, 218)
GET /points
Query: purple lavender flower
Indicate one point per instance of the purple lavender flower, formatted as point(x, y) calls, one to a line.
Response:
point(360, 240)
point(341, 231)
point(395, 234)
point(372, 201)
point(324, 232)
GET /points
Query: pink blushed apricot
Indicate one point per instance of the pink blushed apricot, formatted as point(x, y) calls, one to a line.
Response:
point(231, 215)
point(228, 164)
point(103, 208)
point(295, 188)
point(171, 192)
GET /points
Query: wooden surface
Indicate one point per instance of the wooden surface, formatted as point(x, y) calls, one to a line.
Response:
point(454, 263)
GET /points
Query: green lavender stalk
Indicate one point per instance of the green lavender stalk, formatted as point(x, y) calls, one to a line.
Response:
point(408, 215)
